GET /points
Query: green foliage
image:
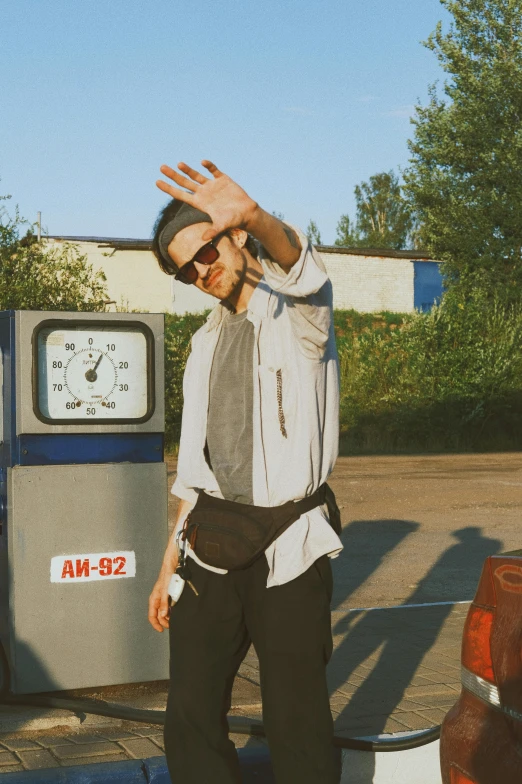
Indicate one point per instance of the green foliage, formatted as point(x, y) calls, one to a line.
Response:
point(178, 334)
point(383, 219)
point(347, 236)
point(465, 177)
point(313, 233)
point(450, 379)
point(37, 276)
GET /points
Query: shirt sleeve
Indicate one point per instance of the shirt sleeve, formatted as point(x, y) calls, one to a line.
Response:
point(183, 491)
point(181, 487)
point(306, 277)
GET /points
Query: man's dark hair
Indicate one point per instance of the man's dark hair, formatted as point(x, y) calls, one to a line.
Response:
point(169, 211)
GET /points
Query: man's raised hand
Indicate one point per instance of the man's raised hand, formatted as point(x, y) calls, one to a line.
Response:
point(229, 206)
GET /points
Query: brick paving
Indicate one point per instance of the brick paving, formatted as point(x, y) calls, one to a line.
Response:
point(392, 670)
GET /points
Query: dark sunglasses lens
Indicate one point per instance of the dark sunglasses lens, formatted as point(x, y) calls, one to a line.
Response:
point(207, 254)
point(188, 273)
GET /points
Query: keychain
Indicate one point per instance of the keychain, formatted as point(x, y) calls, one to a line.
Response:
point(182, 573)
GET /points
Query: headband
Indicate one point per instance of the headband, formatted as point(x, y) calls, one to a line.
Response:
point(185, 216)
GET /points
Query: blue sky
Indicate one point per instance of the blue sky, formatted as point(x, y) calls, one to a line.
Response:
point(298, 100)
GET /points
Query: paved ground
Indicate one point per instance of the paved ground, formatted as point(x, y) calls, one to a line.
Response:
point(416, 530)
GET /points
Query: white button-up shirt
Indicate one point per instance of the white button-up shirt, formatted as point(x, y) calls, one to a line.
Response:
point(292, 316)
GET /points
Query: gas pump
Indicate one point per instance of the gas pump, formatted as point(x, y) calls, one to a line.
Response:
point(83, 498)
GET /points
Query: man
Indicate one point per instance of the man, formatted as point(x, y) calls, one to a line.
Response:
point(259, 430)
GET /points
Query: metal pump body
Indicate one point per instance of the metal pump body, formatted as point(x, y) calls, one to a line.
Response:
point(83, 498)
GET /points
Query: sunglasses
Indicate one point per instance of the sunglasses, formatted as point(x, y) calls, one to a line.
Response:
point(207, 255)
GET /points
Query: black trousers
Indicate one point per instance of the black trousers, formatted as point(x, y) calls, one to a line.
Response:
point(289, 626)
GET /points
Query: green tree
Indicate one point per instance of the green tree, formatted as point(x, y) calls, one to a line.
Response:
point(347, 236)
point(313, 233)
point(38, 276)
point(465, 175)
point(383, 216)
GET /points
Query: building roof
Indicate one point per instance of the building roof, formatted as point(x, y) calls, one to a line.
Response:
point(385, 253)
point(125, 243)
point(118, 243)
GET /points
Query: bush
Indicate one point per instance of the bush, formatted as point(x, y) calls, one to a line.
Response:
point(448, 380)
point(178, 334)
point(36, 276)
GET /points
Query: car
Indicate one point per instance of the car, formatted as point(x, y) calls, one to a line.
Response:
point(481, 736)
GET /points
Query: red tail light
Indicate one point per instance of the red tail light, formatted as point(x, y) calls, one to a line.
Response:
point(456, 777)
point(476, 650)
point(476, 646)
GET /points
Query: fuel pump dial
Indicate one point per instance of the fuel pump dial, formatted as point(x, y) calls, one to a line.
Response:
point(88, 372)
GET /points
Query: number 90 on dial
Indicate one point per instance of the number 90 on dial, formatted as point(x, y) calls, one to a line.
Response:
point(93, 373)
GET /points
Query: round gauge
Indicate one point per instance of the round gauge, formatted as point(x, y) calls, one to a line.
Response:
point(91, 372)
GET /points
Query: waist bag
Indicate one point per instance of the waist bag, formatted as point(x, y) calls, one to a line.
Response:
point(230, 535)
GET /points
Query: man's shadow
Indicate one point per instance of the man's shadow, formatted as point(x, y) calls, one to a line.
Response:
point(392, 634)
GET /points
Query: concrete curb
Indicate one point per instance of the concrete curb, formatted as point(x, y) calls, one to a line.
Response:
point(358, 767)
point(125, 772)
point(398, 767)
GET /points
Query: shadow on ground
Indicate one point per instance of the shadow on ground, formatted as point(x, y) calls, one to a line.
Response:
point(389, 636)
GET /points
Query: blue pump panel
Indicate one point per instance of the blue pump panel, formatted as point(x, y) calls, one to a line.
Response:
point(427, 284)
point(73, 448)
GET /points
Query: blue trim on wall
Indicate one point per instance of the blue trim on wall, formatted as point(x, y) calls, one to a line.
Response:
point(73, 448)
point(427, 284)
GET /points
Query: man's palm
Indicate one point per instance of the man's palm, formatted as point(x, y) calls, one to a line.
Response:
point(229, 206)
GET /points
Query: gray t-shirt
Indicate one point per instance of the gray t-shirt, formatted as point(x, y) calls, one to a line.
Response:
point(230, 410)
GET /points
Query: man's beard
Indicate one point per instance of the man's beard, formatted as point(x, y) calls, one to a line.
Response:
point(229, 281)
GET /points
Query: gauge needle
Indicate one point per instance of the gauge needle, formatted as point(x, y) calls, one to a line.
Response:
point(91, 374)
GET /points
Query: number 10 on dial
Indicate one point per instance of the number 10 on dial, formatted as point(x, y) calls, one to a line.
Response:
point(93, 373)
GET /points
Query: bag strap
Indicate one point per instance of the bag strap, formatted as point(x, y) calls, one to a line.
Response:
point(311, 501)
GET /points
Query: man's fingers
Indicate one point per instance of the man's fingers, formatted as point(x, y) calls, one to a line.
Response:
point(178, 178)
point(153, 617)
point(212, 168)
point(195, 175)
point(176, 193)
point(163, 614)
point(158, 613)
point(154, 623)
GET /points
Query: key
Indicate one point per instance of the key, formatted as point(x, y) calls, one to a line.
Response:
point(184, 572)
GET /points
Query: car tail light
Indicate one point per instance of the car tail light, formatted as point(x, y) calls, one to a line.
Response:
point(476, 641)
point(476, 646)
point(456, 777)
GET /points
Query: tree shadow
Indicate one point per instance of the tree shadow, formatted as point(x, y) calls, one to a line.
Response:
point(399, 638)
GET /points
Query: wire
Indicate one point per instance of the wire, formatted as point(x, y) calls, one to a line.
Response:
point(241, 725)
point(237, 724)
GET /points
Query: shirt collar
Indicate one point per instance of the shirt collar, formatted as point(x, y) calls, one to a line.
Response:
point(258, 306)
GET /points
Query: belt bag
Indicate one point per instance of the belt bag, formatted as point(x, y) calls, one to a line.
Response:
point(230, 535)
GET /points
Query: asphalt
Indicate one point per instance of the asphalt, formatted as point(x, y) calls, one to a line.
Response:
point(416, 531)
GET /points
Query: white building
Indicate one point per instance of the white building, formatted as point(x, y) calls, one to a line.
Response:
point(363, 279)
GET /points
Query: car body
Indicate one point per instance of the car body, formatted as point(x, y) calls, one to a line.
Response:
point(481, 736)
